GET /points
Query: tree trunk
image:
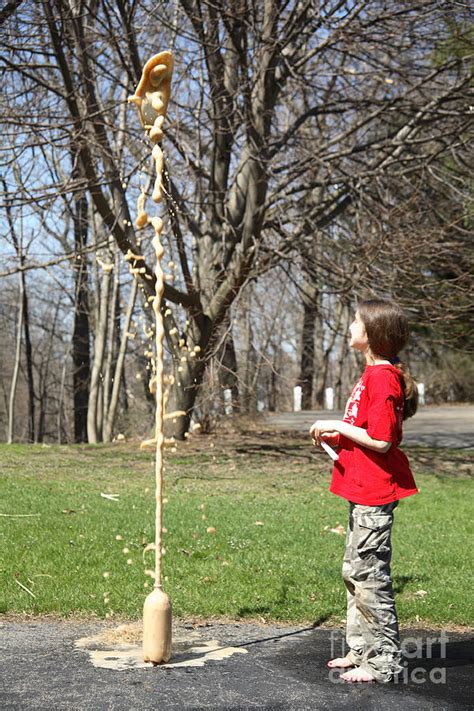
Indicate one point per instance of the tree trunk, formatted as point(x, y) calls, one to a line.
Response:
point(61, 403)
point(111, 357)
point(320, 372)
point(323, 366)
point(272, 388)
point(18, 244)
point(123, 397)
point(29, 363)
point(310, 310)
point(249, 396)
point(43, 400)
point(117, 379)
point(182, 397)
point(94, 412)
point(323, 378)
point(43, 378)
point(81, 331)
point(16, 369)
point(342, 359)
point(227, 373)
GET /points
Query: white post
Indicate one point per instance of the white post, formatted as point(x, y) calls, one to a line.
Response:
point(329, 399)
point(297, 394)
point(421, 393)
point(228, 401)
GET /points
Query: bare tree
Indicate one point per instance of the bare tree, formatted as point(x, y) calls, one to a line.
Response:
point(81, 332)
point(23, 325)
point(111, 410)
point(287, 119)
point(17, 362)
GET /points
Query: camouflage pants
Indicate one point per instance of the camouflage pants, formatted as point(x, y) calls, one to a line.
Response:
point(372, 627)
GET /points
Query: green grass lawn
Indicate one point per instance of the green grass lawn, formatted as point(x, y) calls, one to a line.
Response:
point(272, 556)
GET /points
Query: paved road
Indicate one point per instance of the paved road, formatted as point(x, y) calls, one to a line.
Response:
point(283, 668)
point(437, 426)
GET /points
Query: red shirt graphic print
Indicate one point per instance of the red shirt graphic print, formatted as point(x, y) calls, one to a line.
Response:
point(352, 406)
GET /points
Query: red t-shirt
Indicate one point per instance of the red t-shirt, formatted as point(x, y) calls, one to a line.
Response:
point(360, 474)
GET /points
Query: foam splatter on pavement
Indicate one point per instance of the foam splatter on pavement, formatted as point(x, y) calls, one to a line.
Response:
point(121, 650)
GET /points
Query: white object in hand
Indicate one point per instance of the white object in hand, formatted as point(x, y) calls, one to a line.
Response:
point(329, 450)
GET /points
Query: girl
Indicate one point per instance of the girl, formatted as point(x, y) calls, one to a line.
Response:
point(372, 474)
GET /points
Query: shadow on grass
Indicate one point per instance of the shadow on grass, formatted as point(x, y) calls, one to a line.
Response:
point(253, 611)
point(250, 611)
point(280, 601)
point(273, 450)
point(400, 582)
point(442, 462)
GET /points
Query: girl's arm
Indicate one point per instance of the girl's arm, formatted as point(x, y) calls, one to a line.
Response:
point(356, 434)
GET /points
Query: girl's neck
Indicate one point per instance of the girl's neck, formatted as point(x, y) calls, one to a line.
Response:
point(371, 359)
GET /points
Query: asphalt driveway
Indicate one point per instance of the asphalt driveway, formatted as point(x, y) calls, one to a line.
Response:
point(42, 667)
point(449, 426)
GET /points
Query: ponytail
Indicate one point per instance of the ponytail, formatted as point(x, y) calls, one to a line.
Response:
point(410, 390)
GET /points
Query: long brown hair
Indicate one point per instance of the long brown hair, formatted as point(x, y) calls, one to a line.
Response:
point(387, 332)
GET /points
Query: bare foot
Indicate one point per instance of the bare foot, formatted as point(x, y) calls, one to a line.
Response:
point(342, 662)
point(357, 675)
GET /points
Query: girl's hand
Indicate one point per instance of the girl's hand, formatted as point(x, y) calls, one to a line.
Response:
point(324, 430)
